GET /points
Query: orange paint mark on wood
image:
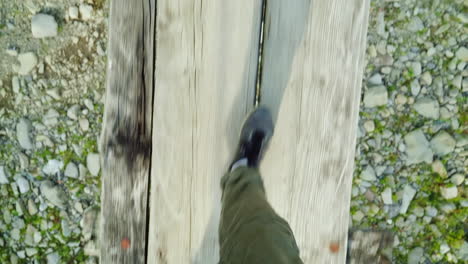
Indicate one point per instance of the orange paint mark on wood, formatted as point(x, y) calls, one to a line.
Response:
point(125, 243)
point(334, 247)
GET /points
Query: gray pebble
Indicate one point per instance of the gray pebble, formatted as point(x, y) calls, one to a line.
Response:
point(15, 84)
point(88, 222)
point(53, 167)
point(462, 54)
point(417, 148)
point(71, 170)
point(93, 163)
point(27, 62)
point(375, 96)
point(43, 26)
point(23, 129)
point(32, 208)
point(427, 107)
point(53, 258)
point(54, 194)
point(368, 174)
point(443, 143)
point(408, 195)
point(23, 184)
point(3, 176)
point(73, 112)
point(415, 256)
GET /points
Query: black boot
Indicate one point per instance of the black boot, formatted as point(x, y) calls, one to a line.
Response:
point(255, 136)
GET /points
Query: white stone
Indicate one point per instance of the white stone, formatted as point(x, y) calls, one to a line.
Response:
point(54, 194)
point(358, 216)
point(444, 248)
point(457, 81)
point(457, 179)
point(417, 148)
point(427, 107)
point(463, 252)
point(43, 26)
point(426, 78)
point(23, 184)
point(431, 211)
point(439, 168)
point(3, 176)
point(431, 51)
point(375, 79)
point(368, 174)
point(53, 167)
point(89, 104)
point(408, 195)
point(443, 143)
point(415, 256)
point(369, 125)
point(71, 170)
point(401, 99)
point(15, 84)
point(15, 234)
point(29, 236)
point(415, 87)
point(53, 258)
point(93, 163)
point(73, 112)
point(387, 196)
point(54, 93)
point(376, 96)
point(83, 170)
point(417, 68)
point(415, 24)
point(23, 129)
point(84, 124)
point(89, 221)
point(32, 208)
point(462, 54)
point(51, 117)
point(27, 62)
point(73, 12)
point(449, 192)
point(86, 11)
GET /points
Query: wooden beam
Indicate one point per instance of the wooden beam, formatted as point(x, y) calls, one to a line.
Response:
point(205, 82)
point(312, 71)
point(126, 136)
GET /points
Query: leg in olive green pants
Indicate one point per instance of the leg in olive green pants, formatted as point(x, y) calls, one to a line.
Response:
point(250, 231)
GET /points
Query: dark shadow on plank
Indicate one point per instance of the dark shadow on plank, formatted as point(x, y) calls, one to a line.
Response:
point(284, 30)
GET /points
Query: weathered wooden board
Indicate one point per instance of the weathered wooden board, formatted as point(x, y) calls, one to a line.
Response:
point(206, 62)
point(313, 66)
point(126, 136)
point(369, 246)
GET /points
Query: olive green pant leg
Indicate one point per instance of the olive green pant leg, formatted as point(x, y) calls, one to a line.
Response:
point(250, 231)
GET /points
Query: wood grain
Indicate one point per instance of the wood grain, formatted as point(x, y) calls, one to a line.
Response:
point(312, 72)
point(126, 137)
point(206, 63)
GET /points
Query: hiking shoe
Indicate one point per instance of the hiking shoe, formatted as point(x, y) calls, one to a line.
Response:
point(254, 138)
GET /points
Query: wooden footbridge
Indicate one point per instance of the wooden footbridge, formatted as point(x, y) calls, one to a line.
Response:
point(182, 76)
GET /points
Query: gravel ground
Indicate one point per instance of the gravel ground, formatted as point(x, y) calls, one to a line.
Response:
point(52, 76)
point(411, 161)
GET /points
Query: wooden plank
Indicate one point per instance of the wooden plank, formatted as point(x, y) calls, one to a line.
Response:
point(205, 82)
point(370, 246)
point(126, 136)
point(313, 66)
